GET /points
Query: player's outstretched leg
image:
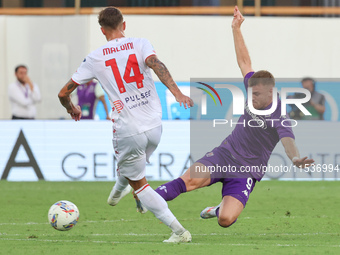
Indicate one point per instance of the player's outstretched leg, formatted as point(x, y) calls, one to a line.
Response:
point(185, 183)
point(174, 188)
point(167, 191)
point(119, 190)
point(159, 207)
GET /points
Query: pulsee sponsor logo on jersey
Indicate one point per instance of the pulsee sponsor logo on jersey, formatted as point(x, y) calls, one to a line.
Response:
point(138, 97)
point(138, 100)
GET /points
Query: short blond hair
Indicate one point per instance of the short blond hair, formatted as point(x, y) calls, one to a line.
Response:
point(261, 77)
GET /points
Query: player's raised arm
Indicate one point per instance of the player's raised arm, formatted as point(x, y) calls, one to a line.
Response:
point(242, 55)
point(293, 153)
point(165, 77)
point(65, 100)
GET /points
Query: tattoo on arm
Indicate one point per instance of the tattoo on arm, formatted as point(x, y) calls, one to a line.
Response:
point(162, 72)
point(71, 86)
point(64, 94)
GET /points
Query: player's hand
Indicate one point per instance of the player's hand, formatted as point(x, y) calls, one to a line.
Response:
point(108, 118)
point(238, 18)
point(185, 100)
point(303, 162)
point(75, 113)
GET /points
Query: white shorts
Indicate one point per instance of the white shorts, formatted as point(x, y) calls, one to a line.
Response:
point(133, 152)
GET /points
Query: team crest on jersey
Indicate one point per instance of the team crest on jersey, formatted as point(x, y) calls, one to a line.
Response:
point(209, 154)
point(118, 105)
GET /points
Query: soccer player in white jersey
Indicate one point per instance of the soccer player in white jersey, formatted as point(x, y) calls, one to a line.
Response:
point(122, 66)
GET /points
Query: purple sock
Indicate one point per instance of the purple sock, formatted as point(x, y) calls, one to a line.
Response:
point(171, 190)
point(217, 212)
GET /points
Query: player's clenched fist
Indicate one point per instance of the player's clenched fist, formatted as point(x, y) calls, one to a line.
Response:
point(238, 18)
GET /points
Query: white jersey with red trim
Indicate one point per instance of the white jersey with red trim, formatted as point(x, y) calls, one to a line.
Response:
point(120, 68)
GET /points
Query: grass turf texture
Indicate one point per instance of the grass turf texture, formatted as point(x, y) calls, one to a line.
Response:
point(280, 218)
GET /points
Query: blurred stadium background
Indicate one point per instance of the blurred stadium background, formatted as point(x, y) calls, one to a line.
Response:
point(290, 38)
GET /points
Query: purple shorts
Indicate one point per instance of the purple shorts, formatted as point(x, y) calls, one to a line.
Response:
point(234, 184)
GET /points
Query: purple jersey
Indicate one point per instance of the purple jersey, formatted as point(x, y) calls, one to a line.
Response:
point(252, 146)
point(86, 99)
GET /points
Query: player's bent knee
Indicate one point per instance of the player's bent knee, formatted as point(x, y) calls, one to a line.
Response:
point(226, 221)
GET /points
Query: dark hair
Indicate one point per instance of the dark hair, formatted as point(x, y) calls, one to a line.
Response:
point(262, 77)
point(110, 17)
point(20, 66)
point(309, 79)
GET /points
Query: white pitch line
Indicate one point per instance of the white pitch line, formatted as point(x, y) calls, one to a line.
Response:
point(211, 234)
point(153, 243)
point(23, 223)
point(134, 220)
point(221, 234)
point(88, 221)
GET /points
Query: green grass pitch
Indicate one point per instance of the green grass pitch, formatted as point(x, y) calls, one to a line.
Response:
point(280, 218)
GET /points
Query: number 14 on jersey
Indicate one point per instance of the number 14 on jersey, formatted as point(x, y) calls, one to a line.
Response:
point(131, 65)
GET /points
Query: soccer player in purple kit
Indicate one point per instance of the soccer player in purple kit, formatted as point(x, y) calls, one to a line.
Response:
point(245, 147)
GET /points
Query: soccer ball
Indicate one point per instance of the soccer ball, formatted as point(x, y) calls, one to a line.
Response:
point(63, 215)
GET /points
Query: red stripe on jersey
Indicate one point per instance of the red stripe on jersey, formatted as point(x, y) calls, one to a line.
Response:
point(75, 82)
point(145, 186)
point(150, 56)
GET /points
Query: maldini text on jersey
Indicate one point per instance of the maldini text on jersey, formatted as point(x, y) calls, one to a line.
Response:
point(126, 46)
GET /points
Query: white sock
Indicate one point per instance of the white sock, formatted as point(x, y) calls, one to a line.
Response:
point(159, 207)
point(120, 185)
point(177, 227)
